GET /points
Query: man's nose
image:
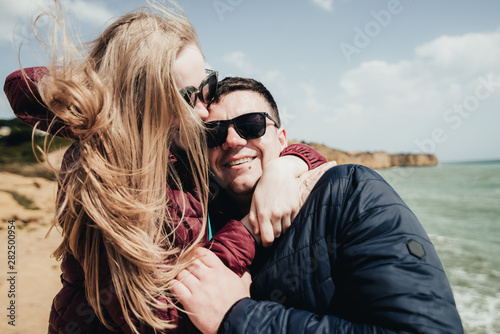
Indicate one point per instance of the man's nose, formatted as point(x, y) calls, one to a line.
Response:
point(233, 139)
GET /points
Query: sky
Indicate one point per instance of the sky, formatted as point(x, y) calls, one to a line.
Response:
point(400, 76)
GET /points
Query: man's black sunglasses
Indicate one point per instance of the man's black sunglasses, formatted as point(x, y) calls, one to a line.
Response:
point(248, 126)
point(206, 91)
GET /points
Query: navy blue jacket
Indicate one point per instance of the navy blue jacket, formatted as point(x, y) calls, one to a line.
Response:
point(356, 260)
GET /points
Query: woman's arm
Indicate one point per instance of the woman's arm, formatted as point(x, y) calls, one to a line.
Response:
point(21, 89)
point(310, 156)
point(282, 189)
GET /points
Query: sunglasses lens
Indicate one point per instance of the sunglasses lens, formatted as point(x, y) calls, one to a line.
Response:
point(208, 89)
point(205, 93)
point(189, 95)
point(248, 126)
point(251, 126)
point(216, 133)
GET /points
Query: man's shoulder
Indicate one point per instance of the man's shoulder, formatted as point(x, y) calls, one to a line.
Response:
point(351, 172)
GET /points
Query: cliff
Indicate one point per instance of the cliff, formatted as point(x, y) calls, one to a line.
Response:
point(375, 160)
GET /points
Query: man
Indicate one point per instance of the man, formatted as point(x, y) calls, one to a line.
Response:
point(355, 260)
point(245, 137)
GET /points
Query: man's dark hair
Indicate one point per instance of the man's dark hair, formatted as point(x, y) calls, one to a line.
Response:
point(234, 84)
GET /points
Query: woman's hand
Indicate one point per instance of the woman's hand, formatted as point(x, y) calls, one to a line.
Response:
point(308, 180)
point(207, 289)
point(279, 195)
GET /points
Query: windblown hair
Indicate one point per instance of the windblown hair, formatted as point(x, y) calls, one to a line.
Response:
point(120, 100)
point(234, 84)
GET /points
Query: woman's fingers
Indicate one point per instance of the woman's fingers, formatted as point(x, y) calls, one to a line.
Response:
point(308, 180)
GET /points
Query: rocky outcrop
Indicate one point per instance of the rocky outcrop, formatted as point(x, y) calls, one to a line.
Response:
point(375, 160)
point(414, 160)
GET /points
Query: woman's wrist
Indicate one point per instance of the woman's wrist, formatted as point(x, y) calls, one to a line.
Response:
point(246, 222)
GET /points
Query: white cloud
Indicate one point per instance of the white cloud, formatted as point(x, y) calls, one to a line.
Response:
point(391, 87)
point(394, 104)
point(442, 72)
point(463, 55)
point(239, 60)
point(90, 12)
point(273, 79)
point(12, 12)
point(324, 4)
point(19, 8)
point(16, 17)
point(327, 5)
point(285, 116)
point(276, 81)
point(311, 100)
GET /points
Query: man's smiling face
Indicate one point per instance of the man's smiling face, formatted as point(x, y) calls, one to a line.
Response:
point(238, 163)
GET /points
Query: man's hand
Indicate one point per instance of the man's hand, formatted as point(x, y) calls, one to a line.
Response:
point(279, 195)
point(207, 289)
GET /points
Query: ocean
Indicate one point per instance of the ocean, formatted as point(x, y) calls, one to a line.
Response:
point(459, 206)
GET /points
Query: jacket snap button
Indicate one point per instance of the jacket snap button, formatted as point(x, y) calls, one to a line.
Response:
point(416, 249)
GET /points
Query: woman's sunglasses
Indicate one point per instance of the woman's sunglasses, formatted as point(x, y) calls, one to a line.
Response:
point(206, 91)
point(248, 126)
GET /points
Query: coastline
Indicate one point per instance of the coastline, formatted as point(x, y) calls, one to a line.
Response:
point(374, 160)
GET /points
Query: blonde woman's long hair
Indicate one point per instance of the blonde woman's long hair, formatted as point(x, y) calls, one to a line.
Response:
point(120, 100)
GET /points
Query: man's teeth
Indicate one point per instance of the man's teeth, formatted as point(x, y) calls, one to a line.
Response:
point(239, 162)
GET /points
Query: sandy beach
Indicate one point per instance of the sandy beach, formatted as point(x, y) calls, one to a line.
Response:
point(29, 202)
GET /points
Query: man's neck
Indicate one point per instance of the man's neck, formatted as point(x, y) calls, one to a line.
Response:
point(244, 206)
point(243, 201)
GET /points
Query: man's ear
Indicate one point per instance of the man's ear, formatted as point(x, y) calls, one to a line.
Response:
point(282, 138)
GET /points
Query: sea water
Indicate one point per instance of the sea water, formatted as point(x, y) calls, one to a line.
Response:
point(459, 206)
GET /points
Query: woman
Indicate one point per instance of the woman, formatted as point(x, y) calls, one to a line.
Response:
point(128, 106)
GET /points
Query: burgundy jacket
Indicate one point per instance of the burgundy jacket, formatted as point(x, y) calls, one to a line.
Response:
point(232, 243)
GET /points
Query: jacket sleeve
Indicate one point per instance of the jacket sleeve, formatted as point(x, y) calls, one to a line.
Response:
point(24, 98)
point(251, 316)
point(235, 246)
point(383, 274)
point(310, 156)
